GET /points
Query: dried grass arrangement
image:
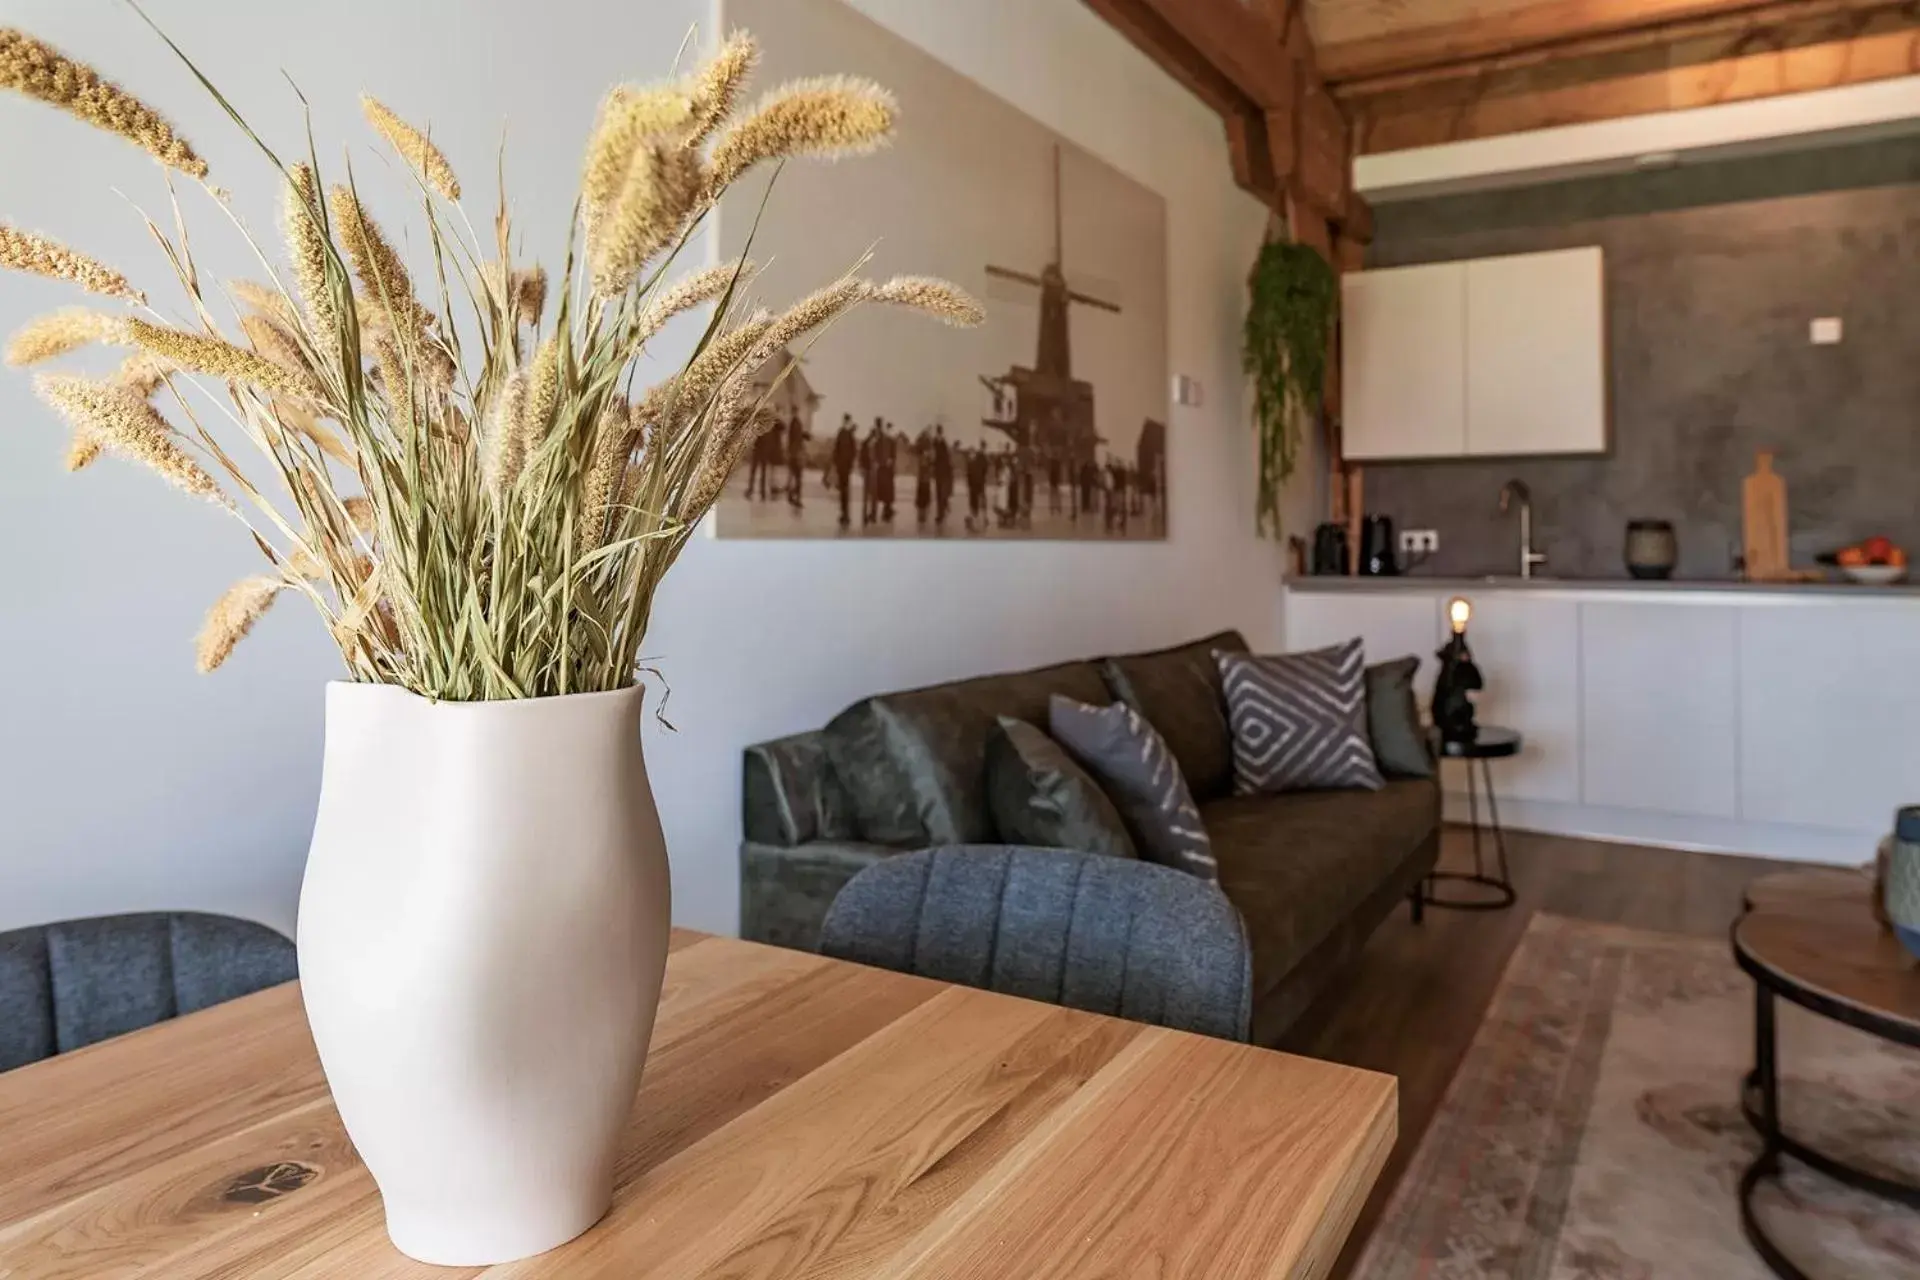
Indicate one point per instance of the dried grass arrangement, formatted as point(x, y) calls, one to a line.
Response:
point(464, 480)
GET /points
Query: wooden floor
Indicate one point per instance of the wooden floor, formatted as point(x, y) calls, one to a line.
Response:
point(1416, 999)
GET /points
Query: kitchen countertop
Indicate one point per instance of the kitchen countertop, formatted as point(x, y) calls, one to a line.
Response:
point(1418, 582)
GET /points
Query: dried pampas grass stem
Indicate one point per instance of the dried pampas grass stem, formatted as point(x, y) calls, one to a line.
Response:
point(412, 146)
point(232, 616)
point(37, 255)
point(124, 422)
point(38, 70)
point(826, 118)
point(49, 336)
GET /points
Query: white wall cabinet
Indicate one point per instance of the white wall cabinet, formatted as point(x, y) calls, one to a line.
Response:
point(1492, 356)
point(1403, 373)
point(1528, 651)
point(1536, 354)
point(1659, 708)
point(1829, 697)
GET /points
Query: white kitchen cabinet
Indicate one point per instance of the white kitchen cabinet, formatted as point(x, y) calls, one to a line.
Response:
point(1492, 356)
point(1536, 354)
point(1528, 650)
point(1403, 365)
point(1829, 697)
point(1659, 707)
point(1391, 623)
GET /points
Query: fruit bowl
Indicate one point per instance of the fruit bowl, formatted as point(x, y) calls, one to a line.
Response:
point(1875, 575)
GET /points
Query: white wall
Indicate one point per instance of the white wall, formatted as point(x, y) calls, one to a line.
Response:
point(128, 782)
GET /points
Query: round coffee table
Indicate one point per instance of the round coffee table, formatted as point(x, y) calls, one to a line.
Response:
point(1492, 743)
point(1810, 937)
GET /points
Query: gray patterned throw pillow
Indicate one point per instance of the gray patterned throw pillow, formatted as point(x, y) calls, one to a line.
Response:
point(1299, 720)
point(1131, 761)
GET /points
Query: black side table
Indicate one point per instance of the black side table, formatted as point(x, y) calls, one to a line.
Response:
point(1493, 743)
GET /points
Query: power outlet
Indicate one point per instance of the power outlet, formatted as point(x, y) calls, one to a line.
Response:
point(1415, 542)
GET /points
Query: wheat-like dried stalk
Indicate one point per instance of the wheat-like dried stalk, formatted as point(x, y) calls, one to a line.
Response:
point(715, 90)
point(628, 120)
point(120, 420)
point(300, 216)
point(663, 185)
point(938, 298)
point(232, 617)
point(826, 118)
point(197, 353)
point(35, 68)
point(59, 332)
point(484, 509)
point(691, 291)
point(37, 255)
point(375, 264)
point(412, 146)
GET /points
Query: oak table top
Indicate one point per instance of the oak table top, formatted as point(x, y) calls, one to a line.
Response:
point(1812, 937)
point(799, 1117)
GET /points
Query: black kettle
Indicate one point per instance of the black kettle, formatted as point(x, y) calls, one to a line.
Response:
point(1330, 549)
point(1377, 556)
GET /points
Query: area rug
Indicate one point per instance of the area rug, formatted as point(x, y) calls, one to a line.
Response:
point(1594, 1131)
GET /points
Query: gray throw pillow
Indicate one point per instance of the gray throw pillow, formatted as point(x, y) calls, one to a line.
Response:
point(1132, 762)
point(1299, 720)
point(1040, 797)
point(1393, 720)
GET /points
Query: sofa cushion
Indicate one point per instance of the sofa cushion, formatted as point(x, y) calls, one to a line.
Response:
point(1299, 720)
point(1040, 797)
point(1138, 772)
point(1178, 692)
point(1299, 863)
point(914, 763)
point(1393, 720)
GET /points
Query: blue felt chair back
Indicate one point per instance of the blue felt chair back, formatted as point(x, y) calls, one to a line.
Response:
point(67, 985)
point(1104, 934)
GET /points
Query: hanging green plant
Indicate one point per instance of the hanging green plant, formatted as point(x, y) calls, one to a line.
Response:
point(1289, 330)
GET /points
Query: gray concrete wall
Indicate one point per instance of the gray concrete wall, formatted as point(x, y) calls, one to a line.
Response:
point(1713, 273)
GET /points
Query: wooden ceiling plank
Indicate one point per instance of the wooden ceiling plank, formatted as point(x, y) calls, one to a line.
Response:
point(1750, 23)
point(1540, 27)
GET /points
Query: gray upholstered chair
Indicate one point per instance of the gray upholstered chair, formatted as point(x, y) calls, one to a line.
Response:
point(1104, 934)
point(66, 985)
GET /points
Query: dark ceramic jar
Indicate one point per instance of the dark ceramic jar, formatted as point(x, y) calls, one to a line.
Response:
point(1652, 548)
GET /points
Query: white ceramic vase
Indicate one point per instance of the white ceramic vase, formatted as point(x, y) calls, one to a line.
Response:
point(483, 934)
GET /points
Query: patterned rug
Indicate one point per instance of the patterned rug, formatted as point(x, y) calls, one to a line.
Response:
point(1594, 1131)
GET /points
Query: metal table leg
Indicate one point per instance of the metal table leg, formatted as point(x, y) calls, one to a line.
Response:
point(1503, 895)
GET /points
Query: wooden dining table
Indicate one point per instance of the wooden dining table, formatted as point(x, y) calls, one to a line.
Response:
point(799, 1117)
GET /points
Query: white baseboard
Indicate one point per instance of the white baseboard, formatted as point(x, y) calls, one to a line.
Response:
point(1678, 831)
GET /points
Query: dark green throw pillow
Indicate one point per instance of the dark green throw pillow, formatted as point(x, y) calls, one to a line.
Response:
point(1039, 796)
point(1393, 720)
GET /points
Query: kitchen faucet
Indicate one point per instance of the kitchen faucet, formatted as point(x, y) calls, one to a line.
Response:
point(1517, 491)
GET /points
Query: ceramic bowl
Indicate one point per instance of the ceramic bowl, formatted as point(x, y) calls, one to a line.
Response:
point(1875, 575)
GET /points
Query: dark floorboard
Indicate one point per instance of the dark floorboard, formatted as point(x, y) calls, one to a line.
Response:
point(1418, 993)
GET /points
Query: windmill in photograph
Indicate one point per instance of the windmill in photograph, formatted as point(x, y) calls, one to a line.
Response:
point(1045, 411)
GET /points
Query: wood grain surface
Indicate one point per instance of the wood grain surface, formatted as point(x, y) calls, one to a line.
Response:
point(1817, 931)
point(799, 1117)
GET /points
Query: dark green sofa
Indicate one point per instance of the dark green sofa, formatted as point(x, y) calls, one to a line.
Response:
point(1312, 873)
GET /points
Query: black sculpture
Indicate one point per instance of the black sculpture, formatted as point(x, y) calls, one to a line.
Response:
point(1459, 677)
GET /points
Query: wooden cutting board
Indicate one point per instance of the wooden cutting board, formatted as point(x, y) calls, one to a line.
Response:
point(1763, 513)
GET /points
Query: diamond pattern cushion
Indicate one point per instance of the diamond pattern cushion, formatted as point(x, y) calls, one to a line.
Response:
point(1132, 762)
point(1177, 691)
point(1299, 720)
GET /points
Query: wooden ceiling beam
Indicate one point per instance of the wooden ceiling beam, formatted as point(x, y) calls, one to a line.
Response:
point(1241, 42)
point(1141, 22)
point(1557, 28)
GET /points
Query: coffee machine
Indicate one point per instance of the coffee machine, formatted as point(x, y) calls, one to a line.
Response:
point(1377, 555)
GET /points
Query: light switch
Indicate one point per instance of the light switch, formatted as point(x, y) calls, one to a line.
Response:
point(1186, 390)
point(1824, 331)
